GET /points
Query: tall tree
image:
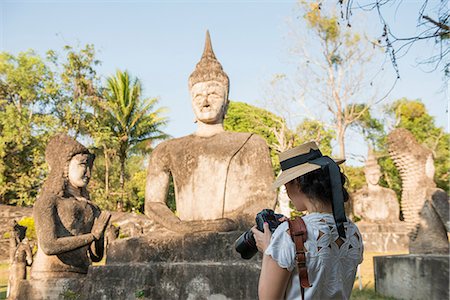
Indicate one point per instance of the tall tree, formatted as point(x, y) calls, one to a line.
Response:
point(26, 86)
point(134, 120)
point(78, 87)
point(335, 77)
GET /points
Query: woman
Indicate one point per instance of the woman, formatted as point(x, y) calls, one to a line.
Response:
point(69, 226)
point(333, 247)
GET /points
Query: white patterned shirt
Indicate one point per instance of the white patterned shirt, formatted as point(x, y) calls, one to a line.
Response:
point(331, 261)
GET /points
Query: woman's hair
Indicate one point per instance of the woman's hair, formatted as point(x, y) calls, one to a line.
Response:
point(316, 185)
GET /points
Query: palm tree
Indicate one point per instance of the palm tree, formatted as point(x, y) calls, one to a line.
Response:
point(133, 120)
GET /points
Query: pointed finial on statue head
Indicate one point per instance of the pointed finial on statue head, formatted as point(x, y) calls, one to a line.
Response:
point(208, 51)
point(208, 68)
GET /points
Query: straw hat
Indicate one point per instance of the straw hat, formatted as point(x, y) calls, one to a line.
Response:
point(298, 161)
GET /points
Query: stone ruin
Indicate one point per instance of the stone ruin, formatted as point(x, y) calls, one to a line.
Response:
point(424, 273)
point(425, 207)
point(70, 228)
point(20, 256)
point(379, 211)
point(222, 179)
point(375, 203)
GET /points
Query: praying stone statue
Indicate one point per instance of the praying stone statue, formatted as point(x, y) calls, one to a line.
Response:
point(375, 203)
point(69, 226)
point(219, 176)
point(20, 257)
point(425, 207)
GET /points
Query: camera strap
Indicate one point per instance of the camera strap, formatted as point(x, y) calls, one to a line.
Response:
point(297, 229)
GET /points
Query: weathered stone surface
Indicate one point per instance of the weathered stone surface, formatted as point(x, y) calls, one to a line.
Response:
point(69, 226)
point(177, 266)
point(218, 247)
point(379, 237)
point(20, 258)
point(412, 276)
point(427, 221)
point(182, 280)
point(53, 288)
point(375, 203)
point(218, 176)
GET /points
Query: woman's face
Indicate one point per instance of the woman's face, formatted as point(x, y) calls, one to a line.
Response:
point(80, 170)
point(297, 197)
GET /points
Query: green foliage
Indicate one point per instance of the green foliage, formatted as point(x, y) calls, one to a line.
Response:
point(139, 294)
point(31, 229)
point(313, 130)
point(77, 87)
point(327, 27)
point(243, 117)
point(26, 86)
point(371, 128)
point(356, 178)
point(70, 295)
point(63, 93)
point(171, 202)
point(134, 121)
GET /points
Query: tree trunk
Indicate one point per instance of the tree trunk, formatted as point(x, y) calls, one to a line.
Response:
point(122, 182)
point(105, 152)
point(341, 142)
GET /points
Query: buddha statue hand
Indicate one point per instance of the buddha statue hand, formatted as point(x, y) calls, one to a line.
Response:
point(218, 225)
point(100, 224)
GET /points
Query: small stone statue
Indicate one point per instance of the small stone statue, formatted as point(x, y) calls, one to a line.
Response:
point(20, 257)
point(375, 203)
point(219, 176)
point(425, 207)
point(69, 226)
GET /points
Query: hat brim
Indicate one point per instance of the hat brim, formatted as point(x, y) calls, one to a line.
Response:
point(297, 171)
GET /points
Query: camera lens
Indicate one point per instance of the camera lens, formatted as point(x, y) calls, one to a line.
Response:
point(246, 245)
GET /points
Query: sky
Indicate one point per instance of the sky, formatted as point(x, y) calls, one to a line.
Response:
point(160, 42)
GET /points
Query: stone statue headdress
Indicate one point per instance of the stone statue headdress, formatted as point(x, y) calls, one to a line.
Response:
point(371, 161)
point(209, 68)
point(60, 150)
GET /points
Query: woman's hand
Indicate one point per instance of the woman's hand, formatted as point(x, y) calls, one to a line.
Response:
point(262, 238)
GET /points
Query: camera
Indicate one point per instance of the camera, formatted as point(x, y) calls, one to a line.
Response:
point(246, 244)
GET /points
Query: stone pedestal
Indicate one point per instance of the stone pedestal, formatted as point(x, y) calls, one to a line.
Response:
point(384, 237)
point(175, 280)
point(191, 266)
point(54, 288)
point(412, 276)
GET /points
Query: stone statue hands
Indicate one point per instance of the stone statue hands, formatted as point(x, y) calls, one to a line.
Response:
point(100, 223)
point(218, 225)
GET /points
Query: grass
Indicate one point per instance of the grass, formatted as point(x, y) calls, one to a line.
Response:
point(368, 279)
point(4, 273)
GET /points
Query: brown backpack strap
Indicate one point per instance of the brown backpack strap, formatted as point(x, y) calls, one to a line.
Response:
point(297, 228)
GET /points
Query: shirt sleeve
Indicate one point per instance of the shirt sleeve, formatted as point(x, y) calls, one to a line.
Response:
point(282, 248)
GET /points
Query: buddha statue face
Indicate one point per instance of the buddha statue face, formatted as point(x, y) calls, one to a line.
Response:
point(373, 175)
point(79, 172)
point(209, 101)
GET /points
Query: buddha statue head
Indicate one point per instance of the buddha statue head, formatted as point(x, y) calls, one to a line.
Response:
point(209, 87)
point(372, 169)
